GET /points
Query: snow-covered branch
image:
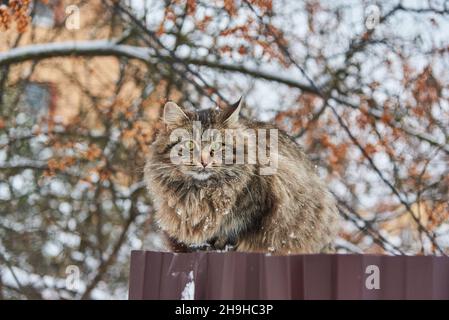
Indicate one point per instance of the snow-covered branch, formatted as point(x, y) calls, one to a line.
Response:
point(112, 48)
point(74, 48)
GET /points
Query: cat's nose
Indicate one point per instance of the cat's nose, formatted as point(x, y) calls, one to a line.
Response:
point(205, 159)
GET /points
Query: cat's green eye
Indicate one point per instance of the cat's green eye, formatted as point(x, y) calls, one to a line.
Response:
point(190, 145)
point(215, 146)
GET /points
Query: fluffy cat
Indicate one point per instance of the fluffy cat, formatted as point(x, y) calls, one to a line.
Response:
point(204, 204)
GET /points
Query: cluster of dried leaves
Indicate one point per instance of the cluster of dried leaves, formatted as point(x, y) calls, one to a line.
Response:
point(15, 11)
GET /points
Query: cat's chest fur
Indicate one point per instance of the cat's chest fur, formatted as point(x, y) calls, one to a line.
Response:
point(196, 216)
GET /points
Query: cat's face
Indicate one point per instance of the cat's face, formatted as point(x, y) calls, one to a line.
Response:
point(200, 147)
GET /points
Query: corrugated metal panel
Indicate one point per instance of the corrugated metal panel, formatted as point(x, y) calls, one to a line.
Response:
point(235, 275)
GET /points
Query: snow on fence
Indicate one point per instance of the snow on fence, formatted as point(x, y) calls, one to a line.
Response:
point(235, 275)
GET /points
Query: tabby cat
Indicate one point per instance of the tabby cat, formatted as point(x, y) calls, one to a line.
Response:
point(203, 202)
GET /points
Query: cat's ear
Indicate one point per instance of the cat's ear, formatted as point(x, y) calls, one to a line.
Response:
point(173, 114)
point(232, 113)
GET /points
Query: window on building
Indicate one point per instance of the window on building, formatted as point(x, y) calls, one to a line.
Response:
point(43, 15)
point(36, 100)
point(48, 14)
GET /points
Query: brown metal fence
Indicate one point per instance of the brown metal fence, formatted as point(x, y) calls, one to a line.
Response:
point(234, 275)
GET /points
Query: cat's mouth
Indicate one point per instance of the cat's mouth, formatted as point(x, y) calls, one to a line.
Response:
point(200, 175)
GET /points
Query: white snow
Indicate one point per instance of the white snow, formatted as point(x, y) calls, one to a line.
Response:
point(189, 290)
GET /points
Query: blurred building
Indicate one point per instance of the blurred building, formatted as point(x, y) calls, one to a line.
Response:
point(61, 87)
